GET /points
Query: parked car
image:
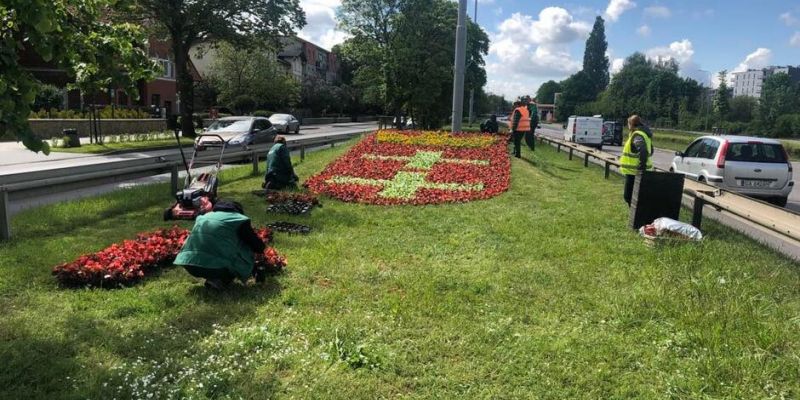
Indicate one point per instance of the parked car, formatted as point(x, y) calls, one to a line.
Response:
point(612, 133)
point(587, 131)
point(285, 123)
point(753, 166)
point(239, 131)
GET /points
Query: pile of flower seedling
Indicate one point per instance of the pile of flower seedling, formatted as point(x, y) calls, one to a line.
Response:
point(412, 167)
point(291, 203)
point(290, 228)
point(126, 263)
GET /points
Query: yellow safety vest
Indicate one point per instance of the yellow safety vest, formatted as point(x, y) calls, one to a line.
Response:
point(629, 161)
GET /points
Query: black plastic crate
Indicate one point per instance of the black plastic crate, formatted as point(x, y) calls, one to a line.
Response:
point(655, 195)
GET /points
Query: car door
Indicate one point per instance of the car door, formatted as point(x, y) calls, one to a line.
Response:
point(706, 158)
point(688, 164)
point(259, 131)
point(294, 123)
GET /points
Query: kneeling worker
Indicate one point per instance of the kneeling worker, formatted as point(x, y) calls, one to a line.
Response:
point(637, 155)
point(280, 172)
point(490, 125)
point(221, 246)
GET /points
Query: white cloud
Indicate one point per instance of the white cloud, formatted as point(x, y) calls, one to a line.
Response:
point(527, 46)
point(616, 8)
point(644, 31)
point(525, 50)
point(682, 52)
point(795, 40)
point(703, 14)
point(657, 12)
point(616, 65)
point(757, 59)
point(789, 19)
point(320, 26)
point(679, 51)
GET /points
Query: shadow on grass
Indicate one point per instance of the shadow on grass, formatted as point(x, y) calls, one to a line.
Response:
point(545, 167)
point(78, 361)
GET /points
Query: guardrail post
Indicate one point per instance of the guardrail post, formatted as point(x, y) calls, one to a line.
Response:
point(586, 160)
point(570, 153)
point(5, 216)
point(302, 153)
point(558, 148)
point(173, 180)
point(608, 169)
point(254, 156)
point(333, 144)
point(697, 212)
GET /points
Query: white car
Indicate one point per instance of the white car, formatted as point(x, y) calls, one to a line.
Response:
point(285, 123)
point(587, 131)
point(753, 166)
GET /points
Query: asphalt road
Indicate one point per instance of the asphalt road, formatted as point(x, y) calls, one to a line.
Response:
point(16, 159)
point(663, 159)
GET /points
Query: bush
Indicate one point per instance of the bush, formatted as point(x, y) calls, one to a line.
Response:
point(244, 104)
point(263, 113)
point(786, 126)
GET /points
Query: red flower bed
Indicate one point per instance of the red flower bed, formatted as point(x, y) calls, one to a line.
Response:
point(124, 264)
point(421, 169)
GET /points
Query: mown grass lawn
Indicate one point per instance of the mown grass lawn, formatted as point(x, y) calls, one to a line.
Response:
point(123, 146)
point(541, 292)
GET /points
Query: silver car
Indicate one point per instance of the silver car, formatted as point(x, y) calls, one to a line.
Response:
point(239, 131)
point(285, 123)
point(753, 166)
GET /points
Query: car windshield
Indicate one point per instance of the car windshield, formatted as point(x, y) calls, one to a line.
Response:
point(756, 152)
point(279, 118)
point(230, 125)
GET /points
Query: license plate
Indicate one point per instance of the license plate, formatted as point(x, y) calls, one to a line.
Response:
point(755, 183)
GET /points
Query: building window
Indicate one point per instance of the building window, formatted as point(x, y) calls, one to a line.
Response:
point(167, 68)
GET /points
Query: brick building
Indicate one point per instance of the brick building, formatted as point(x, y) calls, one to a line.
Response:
point(160, 92)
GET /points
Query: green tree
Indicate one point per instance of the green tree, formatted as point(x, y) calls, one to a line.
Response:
point(253, 72)
point(578, 90)
point(547, 92)
point(87, 39)
point(187, 23)
point(595, 60)
point(778, 98)
point(49, 97)
point(722, 97)
point(742, 109)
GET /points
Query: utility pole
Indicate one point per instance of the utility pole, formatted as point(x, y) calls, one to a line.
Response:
point(458, 77)
point(472, 89)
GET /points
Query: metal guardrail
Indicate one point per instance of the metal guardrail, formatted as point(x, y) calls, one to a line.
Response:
point(29, 184)
point(778, 220)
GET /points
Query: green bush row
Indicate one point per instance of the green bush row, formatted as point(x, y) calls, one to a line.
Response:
point(123, 138)
point(104, 113)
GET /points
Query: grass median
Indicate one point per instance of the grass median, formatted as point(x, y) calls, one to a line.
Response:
point(541, 292)
point(123, 146)
point(680, 141)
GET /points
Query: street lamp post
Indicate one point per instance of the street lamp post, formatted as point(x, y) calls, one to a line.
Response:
point(458, 77)
point(472, 89)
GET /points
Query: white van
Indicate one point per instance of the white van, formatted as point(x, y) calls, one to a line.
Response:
point(587, 131)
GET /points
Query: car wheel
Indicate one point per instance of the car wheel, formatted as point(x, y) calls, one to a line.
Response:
point(297, 130)
point(701, 179)
point(781, 201)
point(671, 170)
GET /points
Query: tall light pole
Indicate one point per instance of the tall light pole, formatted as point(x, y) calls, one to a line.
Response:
point(458, 74)
point(472, 89)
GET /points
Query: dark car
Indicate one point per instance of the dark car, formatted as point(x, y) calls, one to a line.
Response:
point(239, 131)
point(612, 133)
point(285, 123)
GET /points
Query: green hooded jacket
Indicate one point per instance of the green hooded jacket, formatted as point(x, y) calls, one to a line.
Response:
point(214, 244)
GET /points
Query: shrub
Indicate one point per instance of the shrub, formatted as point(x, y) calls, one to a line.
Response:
point(787, 125)
point(262, 113)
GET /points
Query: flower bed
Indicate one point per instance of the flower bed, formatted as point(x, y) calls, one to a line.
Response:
point(400, 167)
point(126, 263)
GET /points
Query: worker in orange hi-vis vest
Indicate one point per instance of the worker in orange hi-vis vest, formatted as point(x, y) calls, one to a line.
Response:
point(520, 125)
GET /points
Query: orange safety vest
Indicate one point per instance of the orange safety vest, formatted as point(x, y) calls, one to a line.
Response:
point(524, 121)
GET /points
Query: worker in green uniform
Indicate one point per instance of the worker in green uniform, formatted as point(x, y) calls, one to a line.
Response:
point(280, 173)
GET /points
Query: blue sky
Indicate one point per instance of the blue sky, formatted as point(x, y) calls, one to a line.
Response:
point(534, 41)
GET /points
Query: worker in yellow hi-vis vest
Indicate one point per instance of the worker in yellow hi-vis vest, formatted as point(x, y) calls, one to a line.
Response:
point(637, 155)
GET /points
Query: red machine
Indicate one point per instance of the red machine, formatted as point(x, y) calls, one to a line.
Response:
point(200, 192)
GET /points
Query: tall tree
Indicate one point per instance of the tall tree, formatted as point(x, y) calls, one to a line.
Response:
point(577, 91)
point(722, 97)
point(547, 92)
point(189, 22)
point(595, 60)
point(84, 38)
point(253, 72)
point(778, 97)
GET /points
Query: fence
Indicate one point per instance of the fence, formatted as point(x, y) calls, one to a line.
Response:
point(781, 222)
point(24, 185)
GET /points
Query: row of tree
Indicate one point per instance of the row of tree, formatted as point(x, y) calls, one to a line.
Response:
point(399, 57)
point(656, 91)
